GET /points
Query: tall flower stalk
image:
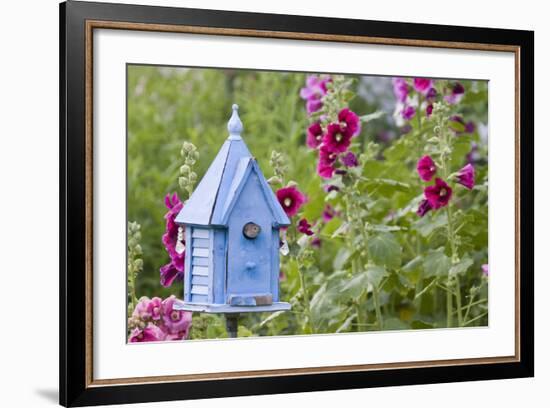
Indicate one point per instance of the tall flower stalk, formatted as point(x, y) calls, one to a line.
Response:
point(135, 263)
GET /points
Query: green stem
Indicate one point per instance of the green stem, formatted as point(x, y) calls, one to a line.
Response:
point(449, 308)
point(476, 318)
point(306, 300)
point(376, 300)
point(458, 301)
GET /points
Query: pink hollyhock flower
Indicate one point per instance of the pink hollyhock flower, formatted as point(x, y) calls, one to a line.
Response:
point(408, 112)
point(455, 95)
point(176, 322)
point(439, 194)
point(325, 166)
point(314, 135)
point(149, 333)
point(336, 139)
point(291, 199)
point(423, 208)
point(349, 160)
point(154, 308)
point(141, 310)
point(426, 168)
point(422, 85)
point(170, 273)
point(313, 92)
point(329, 213)
point(466, 176)
point(349, 122)
point(170, 236)
point(485, 269)
point(305, 227)
point(400, 89)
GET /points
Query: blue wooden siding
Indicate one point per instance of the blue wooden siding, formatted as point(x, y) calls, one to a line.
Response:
point(220, 262)
point(249, 265)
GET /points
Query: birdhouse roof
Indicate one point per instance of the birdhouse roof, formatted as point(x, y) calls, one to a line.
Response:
point(213, 199)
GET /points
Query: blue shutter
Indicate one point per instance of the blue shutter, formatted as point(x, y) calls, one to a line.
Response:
point(201, 265)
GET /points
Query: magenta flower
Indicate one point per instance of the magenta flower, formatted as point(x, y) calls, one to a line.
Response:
point(291, 199)
point(455, 95)
point(485, 269)
point(408, 112)
point(423, 208)
point(154, 308)
point(429, 110)
point(305, 227)
point(349, 122)
point(400, 89)
point(170, 273)
point(316, 242)
point(329, 213)
point(337, 140)
point(431, 95)
point(314, 135)
point(169, 238)
point(176, 322)
point(426, 168)
point(422, 85)
point(149, 333)
point(439, 194)
point(313, 92)
point(325, 166)
point(349, 160)
point(466, 176)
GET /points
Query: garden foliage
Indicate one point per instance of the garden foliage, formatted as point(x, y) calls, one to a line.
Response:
point(385, 181)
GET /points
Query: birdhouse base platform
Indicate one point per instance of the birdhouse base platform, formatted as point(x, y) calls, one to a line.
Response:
point(225, 308)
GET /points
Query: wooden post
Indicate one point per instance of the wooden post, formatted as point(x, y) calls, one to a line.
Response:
point(232, 324)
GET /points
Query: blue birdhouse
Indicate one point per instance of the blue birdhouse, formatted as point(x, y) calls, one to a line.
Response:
point(232, 223)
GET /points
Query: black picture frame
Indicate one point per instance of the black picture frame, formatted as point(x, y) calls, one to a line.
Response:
point(76, 389)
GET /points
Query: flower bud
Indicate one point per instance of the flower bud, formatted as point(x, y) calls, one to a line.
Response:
point(183, 181)
point(185, 169)
point(192, 176)
point(275, 180)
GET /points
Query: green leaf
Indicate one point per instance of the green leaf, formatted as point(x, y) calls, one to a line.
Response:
point(420, 324)
point(385, 250)
point(457, 126)
point(271, 317)
point(385, 228)
point(372, 116)
point(436, 263)
point(355, 286)
point(427, 225)
point(375, 274)
point(346, 323)
point(462, 266)
point(393, 323)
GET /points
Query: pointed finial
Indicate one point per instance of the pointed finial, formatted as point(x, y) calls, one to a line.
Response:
point(235, 126)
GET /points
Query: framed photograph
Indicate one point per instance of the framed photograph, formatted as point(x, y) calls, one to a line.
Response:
point(256, 204)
